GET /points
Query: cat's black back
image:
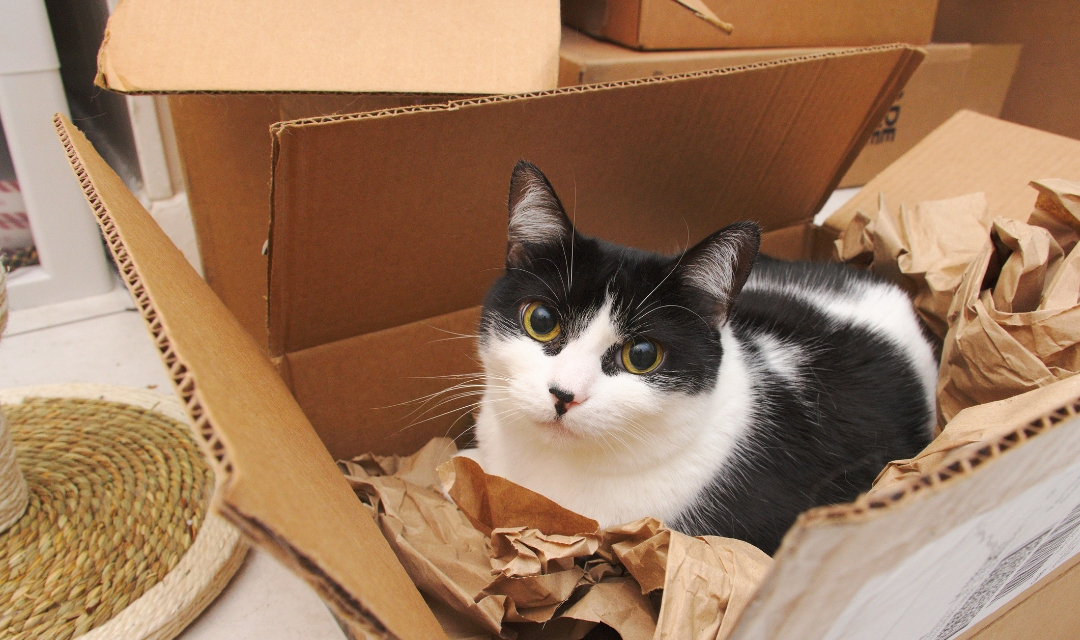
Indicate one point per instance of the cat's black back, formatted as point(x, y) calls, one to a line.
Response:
point(821, 435)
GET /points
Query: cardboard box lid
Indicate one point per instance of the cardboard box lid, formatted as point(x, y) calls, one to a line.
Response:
point(970, 152)
point(356, 245)
point(278, 483)
point(485, 46)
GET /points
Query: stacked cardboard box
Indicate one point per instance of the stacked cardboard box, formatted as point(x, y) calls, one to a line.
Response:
point(706, 24)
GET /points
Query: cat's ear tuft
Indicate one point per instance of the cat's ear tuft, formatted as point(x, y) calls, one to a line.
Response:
point(720, 264)
point(536, 214)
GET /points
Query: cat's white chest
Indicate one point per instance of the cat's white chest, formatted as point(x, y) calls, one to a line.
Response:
point(609, 499)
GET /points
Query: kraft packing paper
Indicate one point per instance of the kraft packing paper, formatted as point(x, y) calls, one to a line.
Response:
point(507, 562)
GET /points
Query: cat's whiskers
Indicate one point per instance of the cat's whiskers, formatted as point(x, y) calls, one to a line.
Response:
point(468, 407)
point(682, 254)
point(453, 333)
point(672, 306)
point(452, 338)
point(535, 276)
point(566, 292)
point(430, 396)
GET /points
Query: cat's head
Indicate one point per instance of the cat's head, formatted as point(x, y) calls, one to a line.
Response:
point(585, 342)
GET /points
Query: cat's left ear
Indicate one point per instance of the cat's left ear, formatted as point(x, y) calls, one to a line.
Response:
point(719, 265)
point(537, 217)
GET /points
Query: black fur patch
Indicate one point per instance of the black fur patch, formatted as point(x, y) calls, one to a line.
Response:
point(823, 441)
point(647, 299)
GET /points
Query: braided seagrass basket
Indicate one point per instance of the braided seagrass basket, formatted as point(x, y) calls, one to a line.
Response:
point(117, 539)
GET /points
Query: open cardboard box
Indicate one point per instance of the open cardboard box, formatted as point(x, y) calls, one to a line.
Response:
point(388, 226)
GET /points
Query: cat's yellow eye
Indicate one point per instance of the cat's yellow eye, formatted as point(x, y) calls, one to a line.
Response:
point(541, 322)
point(641, 355)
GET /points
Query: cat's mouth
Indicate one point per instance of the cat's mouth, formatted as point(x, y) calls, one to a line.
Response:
point(557, 428)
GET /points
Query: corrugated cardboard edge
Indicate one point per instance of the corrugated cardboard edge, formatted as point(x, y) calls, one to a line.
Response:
point(356, 620)
point(901, 72)
point(954, 468)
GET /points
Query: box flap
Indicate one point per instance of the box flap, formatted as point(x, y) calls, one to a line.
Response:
point(586, 60)
point(970, 152)
point(279, 485)
point(974, 529)
point(386, 218)
point(485, 46)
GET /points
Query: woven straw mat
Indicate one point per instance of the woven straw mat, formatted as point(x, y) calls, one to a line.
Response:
point(117, 540)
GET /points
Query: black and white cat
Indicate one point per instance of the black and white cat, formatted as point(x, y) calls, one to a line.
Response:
point(720, 391)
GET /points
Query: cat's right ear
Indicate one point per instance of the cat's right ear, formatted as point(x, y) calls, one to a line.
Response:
point(537, 217)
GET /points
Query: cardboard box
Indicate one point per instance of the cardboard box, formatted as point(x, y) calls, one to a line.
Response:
point(363, 273)
point(262, 67)
point(919, 557)
point(1043, 93)
point(951, 77)
point(691, 24)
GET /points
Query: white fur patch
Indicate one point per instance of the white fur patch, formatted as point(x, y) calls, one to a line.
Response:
point(714, 270)
point(784, 360)
point(628, 450)
point(881, 308)
point(536, 217)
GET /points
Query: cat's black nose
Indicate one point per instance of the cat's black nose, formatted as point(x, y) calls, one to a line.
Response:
point(560, 395)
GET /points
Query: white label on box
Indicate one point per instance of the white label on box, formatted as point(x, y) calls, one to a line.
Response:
point(954, 582)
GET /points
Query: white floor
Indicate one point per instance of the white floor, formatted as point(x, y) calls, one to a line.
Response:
point(103, 340)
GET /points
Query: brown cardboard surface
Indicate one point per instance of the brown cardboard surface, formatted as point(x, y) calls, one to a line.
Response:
point(1043, 92)
point(364, 231)
point(668, 24)
point(224, 144)
point(485, 46)
point(248, 424)
point(989, 77)
point(352, 390)
point(952, 77)
point(969, 153)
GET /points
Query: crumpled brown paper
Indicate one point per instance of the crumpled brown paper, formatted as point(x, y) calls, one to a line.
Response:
point(1015, 319)
point(924, 250)
point(972, 429)
point(510, 563)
